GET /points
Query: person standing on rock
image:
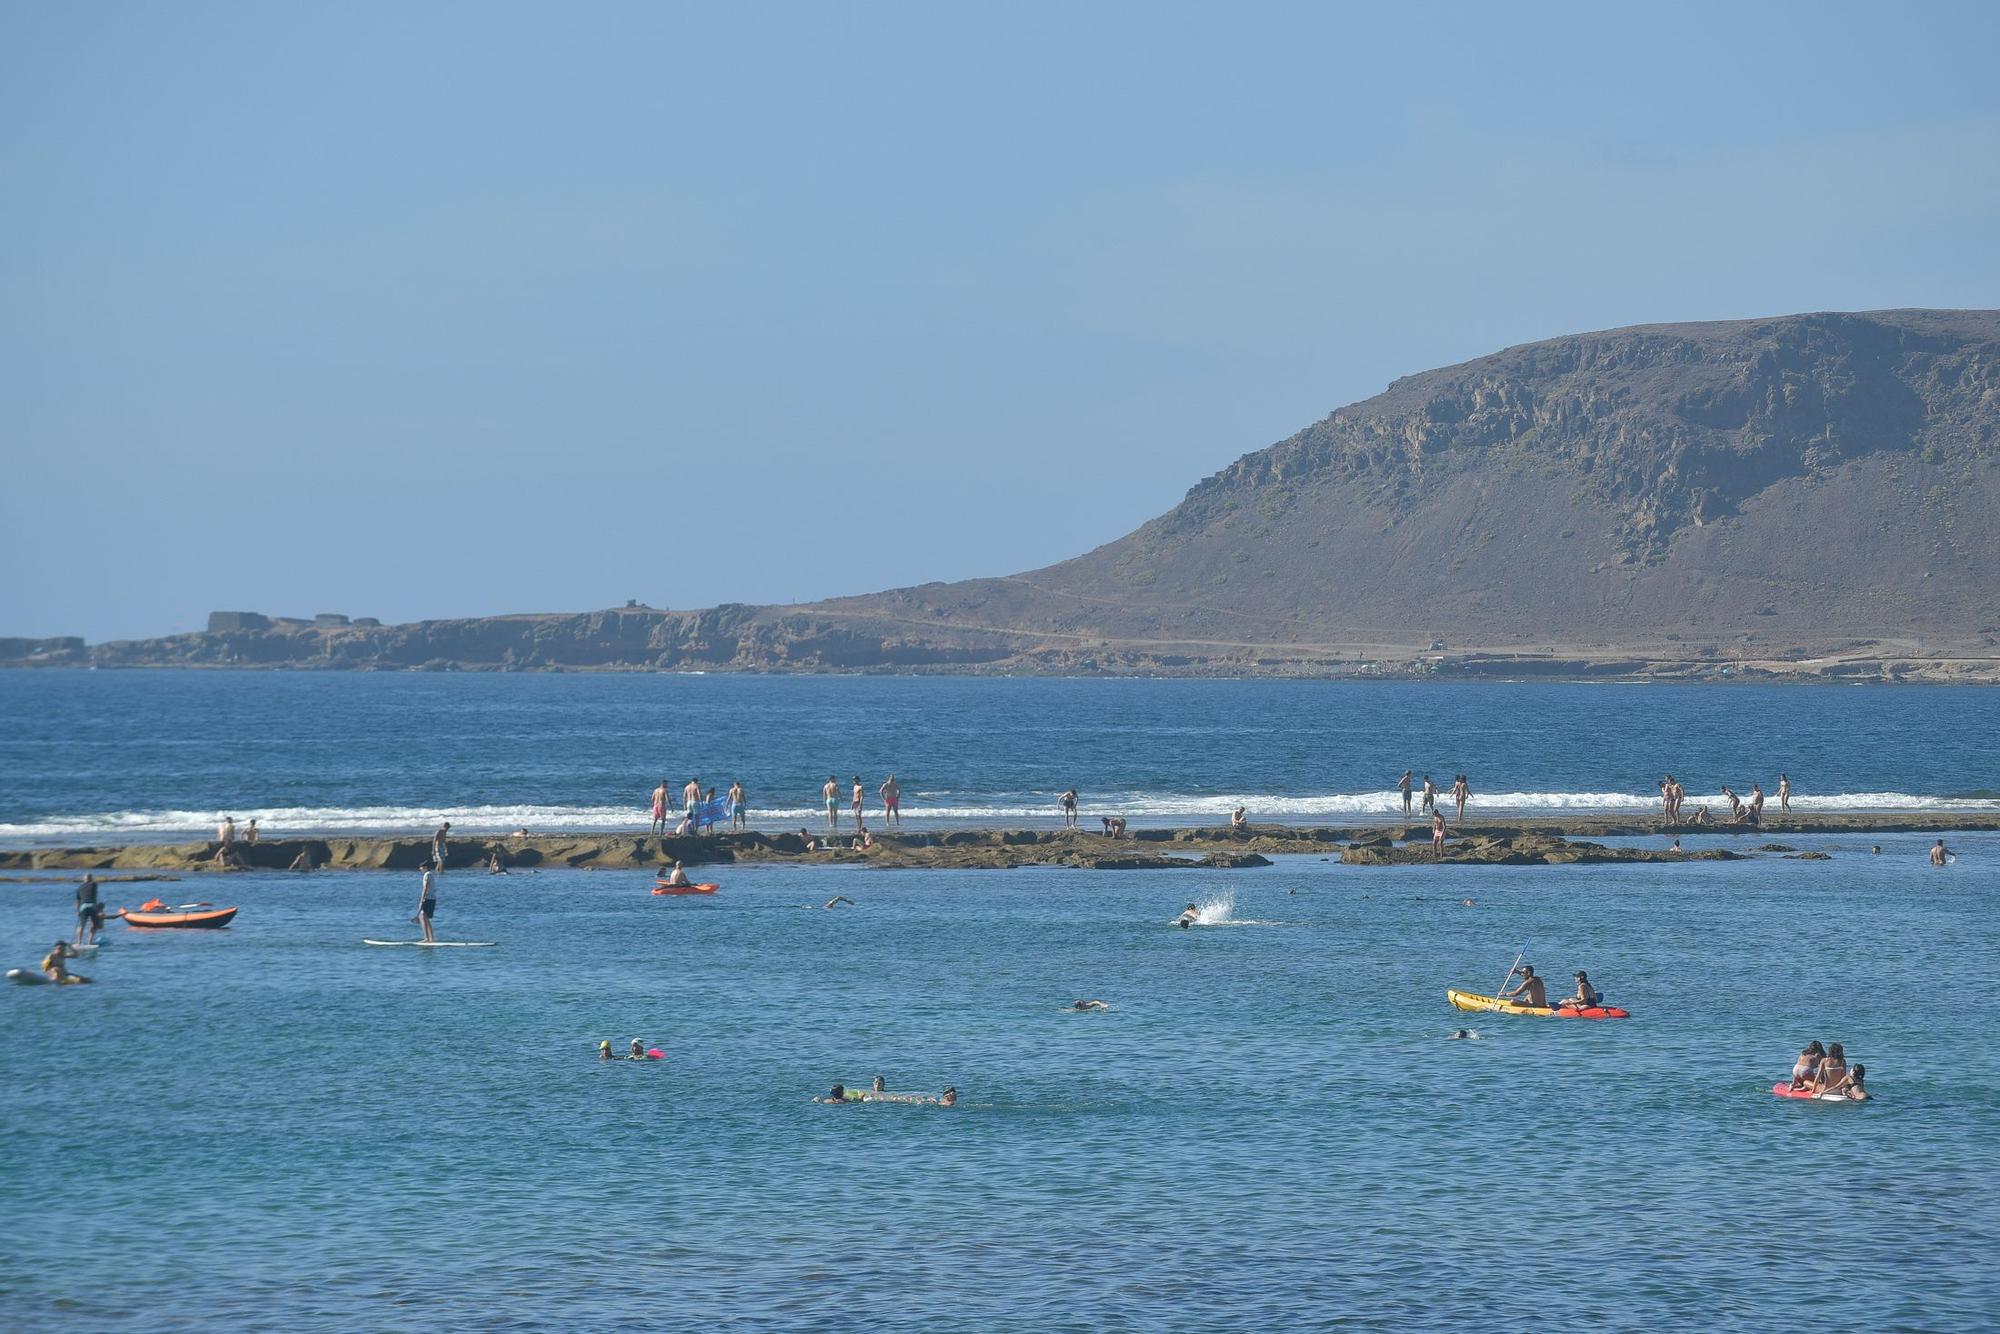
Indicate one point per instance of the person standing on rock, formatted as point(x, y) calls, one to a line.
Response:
point(892, 802)
point(1430, 795)
point(1437, 834)
point(1067, 801)
point(832, 794)
point(860, 801)
point(1756, 803)
point(660, 809)
point(691, 795)
point(250, 831)
point(439, 842)
point(1785, 793)
point(1403, 785)
point(738, 817)
point(1461, 792)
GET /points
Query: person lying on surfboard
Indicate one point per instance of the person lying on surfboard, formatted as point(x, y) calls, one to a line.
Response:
point(1532, 990)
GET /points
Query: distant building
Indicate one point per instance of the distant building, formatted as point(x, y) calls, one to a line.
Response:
point(367, 622)
point(330, 620)
point(221, 622)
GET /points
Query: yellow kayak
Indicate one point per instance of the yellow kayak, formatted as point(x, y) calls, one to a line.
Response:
point(1468, 1000)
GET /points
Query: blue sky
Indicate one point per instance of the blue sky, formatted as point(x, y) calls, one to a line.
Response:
point(455, 309)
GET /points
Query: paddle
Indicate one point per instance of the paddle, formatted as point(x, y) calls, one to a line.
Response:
point(1510, 972)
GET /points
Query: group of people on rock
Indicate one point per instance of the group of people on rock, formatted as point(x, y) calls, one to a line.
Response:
point(1460, 792)
point(698, 808)
point(1673, 800)
point(1823, 1070)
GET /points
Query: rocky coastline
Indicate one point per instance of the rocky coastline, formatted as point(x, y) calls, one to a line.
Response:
point(1549, 842)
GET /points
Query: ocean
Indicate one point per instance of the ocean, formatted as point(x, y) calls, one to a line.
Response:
point(276, 1126)
point(163, 755)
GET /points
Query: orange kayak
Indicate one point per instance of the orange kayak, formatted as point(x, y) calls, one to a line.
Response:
point(172, 917)
point(685, 889)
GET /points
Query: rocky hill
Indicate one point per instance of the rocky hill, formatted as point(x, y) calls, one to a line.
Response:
point(1805, 494)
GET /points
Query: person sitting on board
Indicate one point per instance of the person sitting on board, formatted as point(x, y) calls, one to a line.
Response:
point(54, 966)
point(1532, 990)
point(1832, 1069)
point(1586, 995)
point(676, 878)
point(1850, 1085)
point(1806, 1068)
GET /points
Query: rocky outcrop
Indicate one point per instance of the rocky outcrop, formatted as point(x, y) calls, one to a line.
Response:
point(1806, 497)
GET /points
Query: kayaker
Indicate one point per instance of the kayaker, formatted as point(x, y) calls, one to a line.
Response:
point(89, 912)
point(677, 878)
point(1806, 1068)
point(1832, 1069)
point(427, 902)
point(1586, 995)
point(1532, 990)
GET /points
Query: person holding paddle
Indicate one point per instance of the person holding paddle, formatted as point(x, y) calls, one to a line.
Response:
point(1532, 990)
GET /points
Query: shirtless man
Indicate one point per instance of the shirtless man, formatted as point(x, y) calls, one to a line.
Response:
point(1940, 854)
point(1403, 786)
point(660, 808)
point(1239, 818)
point(676, 878)
point(832, 794)
point(892, 802)
point(1430, 795)
point(1532, 990)
point(691, 795)
point(860, 800)
point(1785, 793)
point(739, 818)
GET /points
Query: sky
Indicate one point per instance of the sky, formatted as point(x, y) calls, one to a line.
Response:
point(418, 310)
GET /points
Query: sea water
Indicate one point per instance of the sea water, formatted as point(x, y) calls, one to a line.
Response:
point(162, 754)
point(277, 1126)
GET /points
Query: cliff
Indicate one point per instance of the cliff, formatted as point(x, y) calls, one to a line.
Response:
point(1812, 495)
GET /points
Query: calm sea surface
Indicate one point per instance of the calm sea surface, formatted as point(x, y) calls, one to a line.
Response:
point(165, 754)
point(275, 1126)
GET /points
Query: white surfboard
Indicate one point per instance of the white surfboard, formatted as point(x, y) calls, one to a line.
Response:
point(435, 944)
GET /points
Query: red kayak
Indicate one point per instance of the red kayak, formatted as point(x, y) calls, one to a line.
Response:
point(179, 917)
point(685, 889)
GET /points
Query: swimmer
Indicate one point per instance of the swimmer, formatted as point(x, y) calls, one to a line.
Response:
point(604, 1051)
point(638, 1051)
point(1876, 849)
point(1188, 917)
point(1087, 1005)
point(948, 1098)
point(302, 862)
point(495, 864)
point(1460, 1034)
point(1468, 903)
point(839, 1096)
point(837, 900)
point(1940, 854)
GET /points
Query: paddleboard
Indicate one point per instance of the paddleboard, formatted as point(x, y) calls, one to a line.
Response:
point(35, 977)
point(435, 944)
point(1785, 1090)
